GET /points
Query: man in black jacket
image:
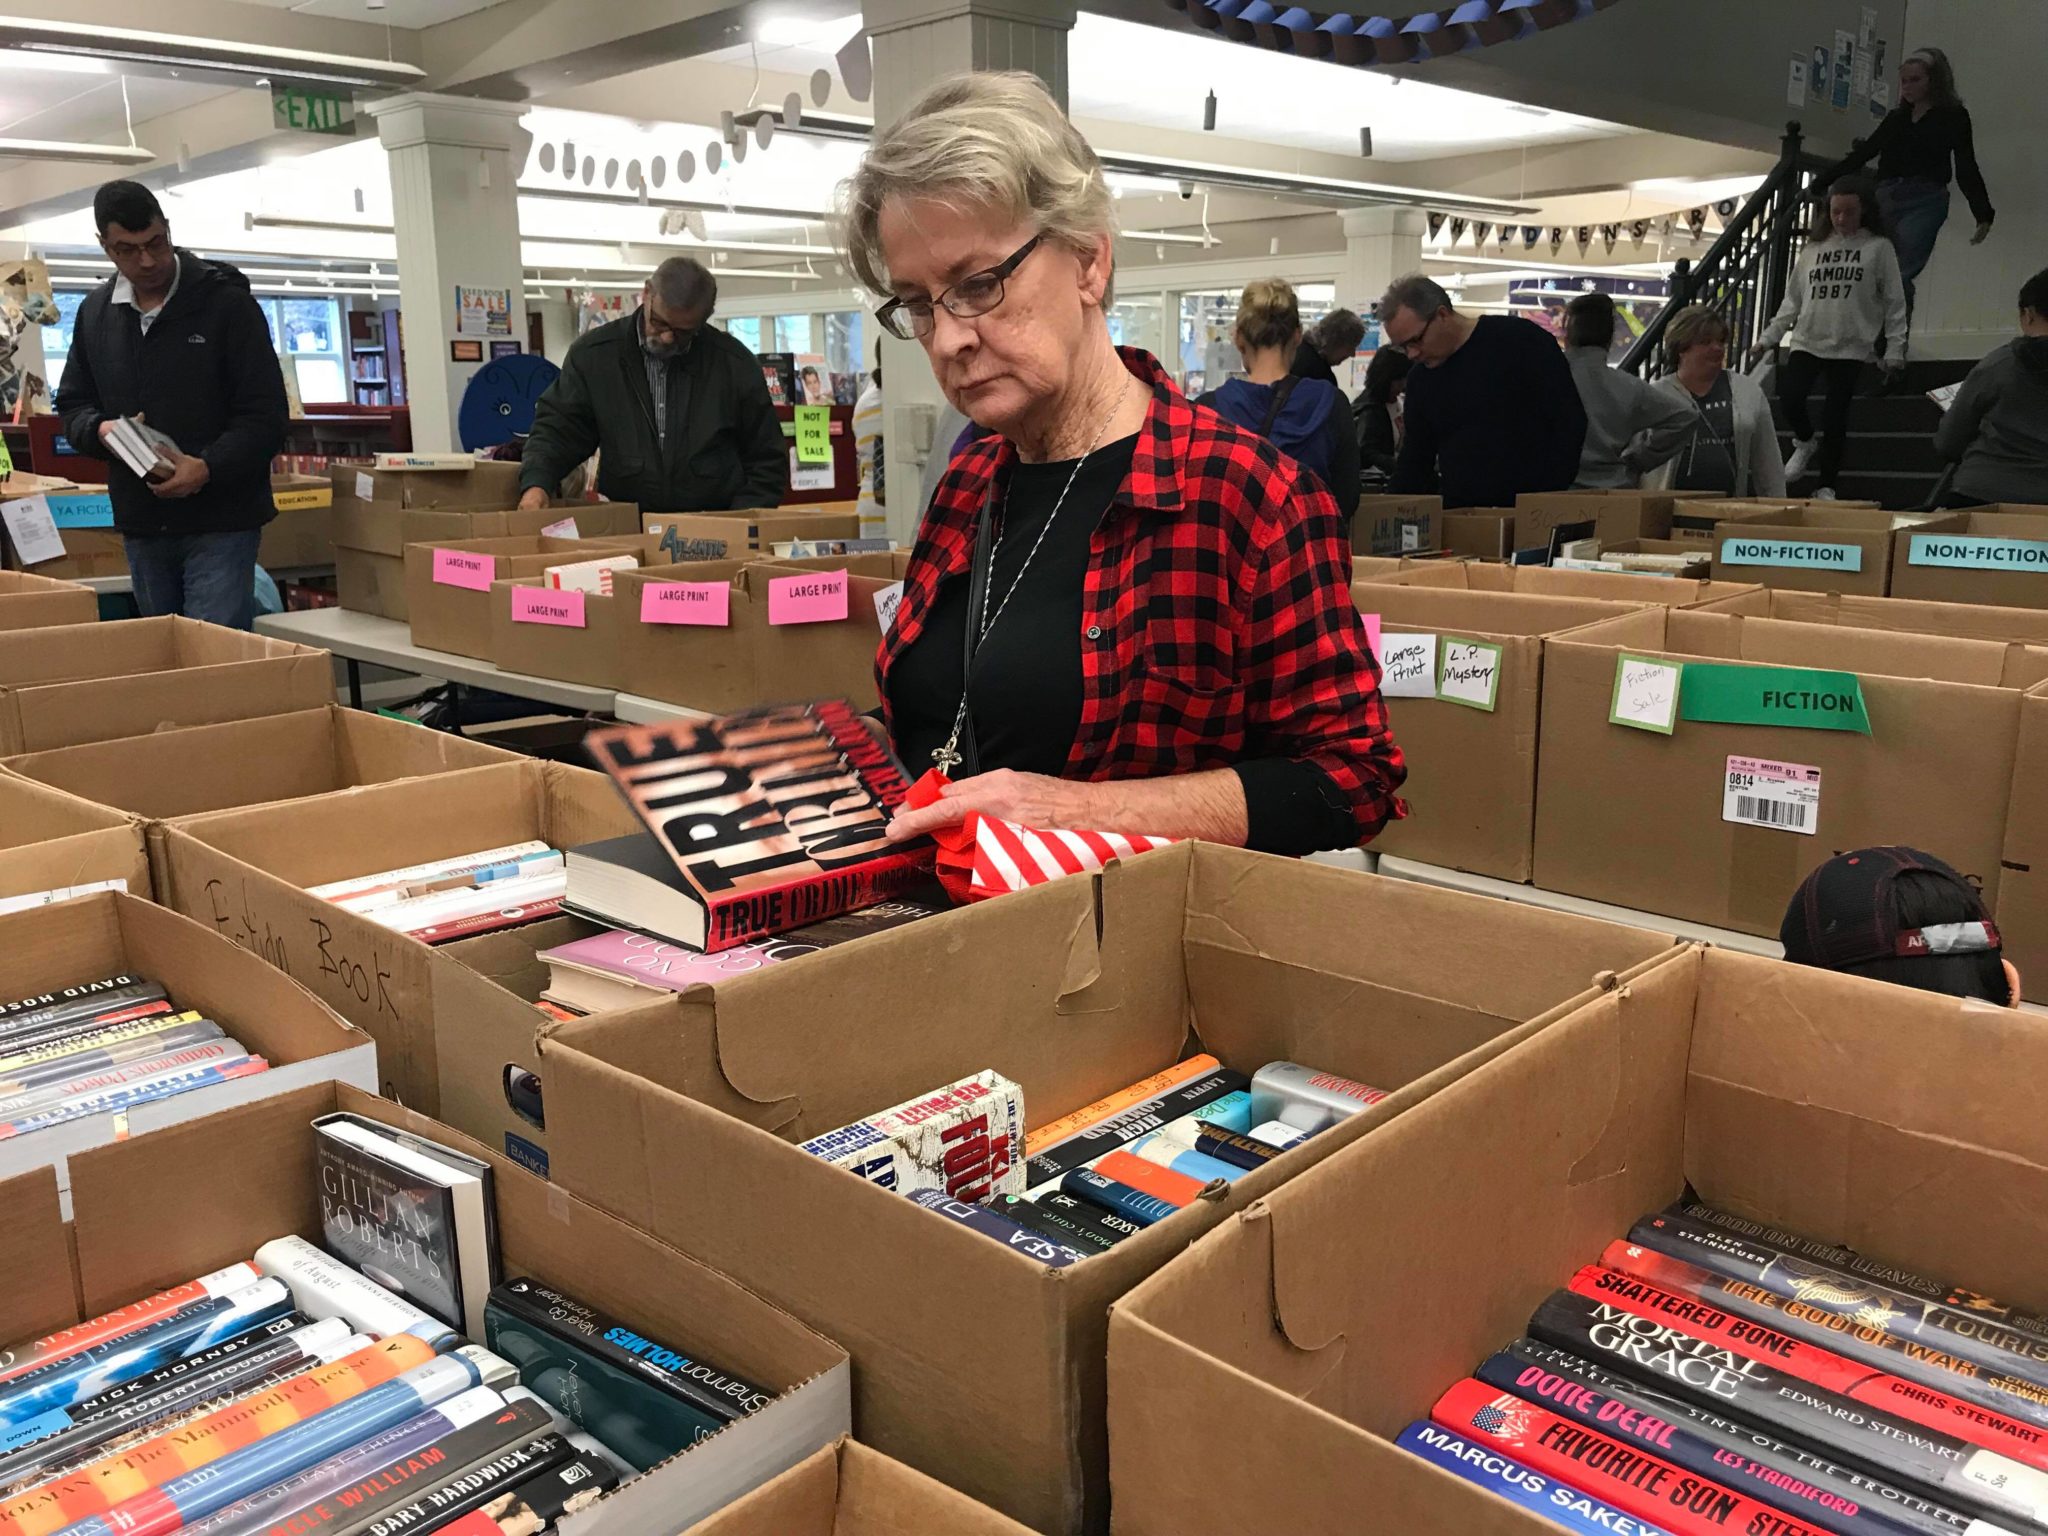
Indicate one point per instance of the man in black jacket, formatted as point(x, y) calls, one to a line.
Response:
point(679, 408)
point(182, 344)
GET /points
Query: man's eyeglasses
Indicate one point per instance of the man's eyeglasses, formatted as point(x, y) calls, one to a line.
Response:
point(1413, 345)
point(124, 250)
point(975, 294)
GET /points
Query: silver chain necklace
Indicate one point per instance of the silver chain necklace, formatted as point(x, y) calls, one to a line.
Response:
point(948, 756)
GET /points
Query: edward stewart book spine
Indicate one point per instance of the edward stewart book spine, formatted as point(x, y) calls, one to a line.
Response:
point(1556, 1502)
point(1063, 1157)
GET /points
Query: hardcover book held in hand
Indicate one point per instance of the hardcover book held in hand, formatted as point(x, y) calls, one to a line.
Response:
point(758, 823)
point(413, 1215)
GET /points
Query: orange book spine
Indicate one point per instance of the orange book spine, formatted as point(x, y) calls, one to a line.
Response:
point(1152, 1087)
point(1142, 1174)
point(98, 1488)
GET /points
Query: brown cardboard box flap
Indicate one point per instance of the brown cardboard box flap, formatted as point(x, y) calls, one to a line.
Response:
point(52, 841)
point(28, 601)
point(1482, 610)
point(849, 1490)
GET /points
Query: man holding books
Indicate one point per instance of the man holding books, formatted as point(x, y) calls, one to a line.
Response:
point(174, 380)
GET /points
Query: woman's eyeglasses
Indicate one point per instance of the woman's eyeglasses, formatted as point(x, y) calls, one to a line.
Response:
point(975, 294)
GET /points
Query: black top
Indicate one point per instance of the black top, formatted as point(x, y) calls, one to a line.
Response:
point(205, 374)
point(1707, 461)
point(1027, 693)
point(1499, 416)
point(723, 446)
point(1311, 364)
point(1925, 151)
point(1378, 446)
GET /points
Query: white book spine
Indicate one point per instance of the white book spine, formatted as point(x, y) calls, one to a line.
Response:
point(325, 1287)
point(433, 869)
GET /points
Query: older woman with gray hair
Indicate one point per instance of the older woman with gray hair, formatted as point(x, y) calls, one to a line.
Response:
point(1733, 447)
point(1122, 613)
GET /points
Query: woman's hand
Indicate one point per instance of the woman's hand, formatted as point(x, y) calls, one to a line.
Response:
point(1983, 233)
point(1756, 355)
point(1030, 799)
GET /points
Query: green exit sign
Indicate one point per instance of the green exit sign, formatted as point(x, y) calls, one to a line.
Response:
point(310, 109)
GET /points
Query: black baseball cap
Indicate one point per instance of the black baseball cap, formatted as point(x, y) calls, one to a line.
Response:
point(1845, 916)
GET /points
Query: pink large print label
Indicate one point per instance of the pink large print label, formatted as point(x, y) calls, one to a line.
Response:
point(459, 568)
point(815, 598)
point(686, 602)
point(547, 605)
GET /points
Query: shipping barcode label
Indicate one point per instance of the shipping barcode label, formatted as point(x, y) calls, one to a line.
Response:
point(1782, 796)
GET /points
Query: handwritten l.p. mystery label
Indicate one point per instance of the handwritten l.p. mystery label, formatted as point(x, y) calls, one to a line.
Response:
point(1646, 693)
point(548, 605)
point(1408, 666)
point(887, 600)
point(1470, 673)
point(686, 602)
point(816, 598)
point(564, 529)
point(1371, 621)
point(460, 568)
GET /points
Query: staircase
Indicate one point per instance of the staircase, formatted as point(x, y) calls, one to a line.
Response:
point(1890, 456)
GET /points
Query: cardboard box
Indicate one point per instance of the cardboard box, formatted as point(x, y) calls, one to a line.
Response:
point(1636, 817)
point(1385, 567)
point(589, 652)
point(849, 1490)
point(29, 601)
point(94, 937)
point(749, 661)
point(52, 841)
point(691, 536)
point(974, 1363)
point(1397, 525)
point(1688, 559)
point(1616, 515)
point(244, 872)
point(1471, 787)
point(1294, 1344)
point(1820, 549)
point(85, 521)
point(1598, 586)
point(1479, 533)
point(457, 619)
point(93, 682)
point(302, 533)
point(160, 1209)
point(250, 762)
point(1997, 555)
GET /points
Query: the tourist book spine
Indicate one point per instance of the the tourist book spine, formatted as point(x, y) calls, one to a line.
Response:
point(437, 1507)
point(27, 1356)
point(198, 1326)
point(1117, 1197)
point(148, 1091)
point(538, 1503)
point(1011, 1234)
point(87, 1079)
point(394, 1225)
point(24, 1069)
point(810, 788)
point(1544, 1496)
point(1985, 1340)
point(1848, 1261)
point(1141, 1092)
point(1047, 1168)
point(709, 1388)
point(965, 1140)
point(1757, 1337)
point(323, 1286)
point(1673, 1359)
point(1643, 1482)
point(1806, 1483)
point(1053, 1224)
point(1879, 1339)
point(1087, 1214)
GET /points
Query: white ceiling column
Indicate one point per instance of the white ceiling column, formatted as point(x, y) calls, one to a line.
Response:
point(455, 165)
point(1380, 244)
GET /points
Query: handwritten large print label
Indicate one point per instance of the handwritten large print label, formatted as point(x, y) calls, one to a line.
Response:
point(1956, 552)
point(1792, 554)
point(1408, 666)
point(1798, 698)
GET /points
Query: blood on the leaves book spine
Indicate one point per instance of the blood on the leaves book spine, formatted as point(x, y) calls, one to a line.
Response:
point(1056, 1225)
point(1107, 1225)
point(1120, 1198)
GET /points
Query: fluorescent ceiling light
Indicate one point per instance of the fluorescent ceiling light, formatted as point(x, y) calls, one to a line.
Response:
point(169, 52)
point(527, 237)
point(1521, 266)
point(1162, 237)
point(656, 200)
point(60, 149)
point(801, 31)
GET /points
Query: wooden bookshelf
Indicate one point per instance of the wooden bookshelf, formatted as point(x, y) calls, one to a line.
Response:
point(376, 353)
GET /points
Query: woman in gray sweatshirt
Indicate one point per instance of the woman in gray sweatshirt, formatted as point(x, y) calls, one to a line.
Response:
point(1845, 290)
point(1996, 432)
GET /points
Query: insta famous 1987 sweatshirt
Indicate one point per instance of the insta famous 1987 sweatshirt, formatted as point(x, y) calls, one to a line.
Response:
point(1845, 290)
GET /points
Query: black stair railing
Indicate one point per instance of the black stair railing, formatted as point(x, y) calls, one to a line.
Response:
point(1744, 273)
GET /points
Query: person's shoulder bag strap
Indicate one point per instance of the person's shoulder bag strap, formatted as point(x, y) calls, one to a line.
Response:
point(1280, 393)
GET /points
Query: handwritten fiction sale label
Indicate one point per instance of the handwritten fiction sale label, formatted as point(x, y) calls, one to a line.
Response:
point(459, 568)
point(1792, 554)
point(1646, 693)
point(810, 599)
point(1408, 666)
point(1470, 673)
point(686, 602)
point(547, 605)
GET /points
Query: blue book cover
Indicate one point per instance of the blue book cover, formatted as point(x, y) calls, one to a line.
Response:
point(1531, 1490)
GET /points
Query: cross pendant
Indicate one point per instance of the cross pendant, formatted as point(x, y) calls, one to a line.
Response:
point(946, 757)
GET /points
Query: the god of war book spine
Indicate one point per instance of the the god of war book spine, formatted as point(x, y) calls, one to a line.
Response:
point(1559, 1503)
point(1801, 1482)
point(1672, 1360)
point(775, 817)
point(1982, 1337)
point(965, 1140)
point(1013, 1235)
point(1877, 1335)
point(1048, 1167)
point(1758, 1338)
point(89, 995)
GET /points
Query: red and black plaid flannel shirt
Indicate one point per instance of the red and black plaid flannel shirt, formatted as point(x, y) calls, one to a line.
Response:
point(1217, 624)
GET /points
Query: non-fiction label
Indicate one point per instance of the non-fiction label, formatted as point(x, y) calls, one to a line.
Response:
point(811, 599)
point(1972, 554)
point(564, 529)
point(887, 600)
point(1470, 673)
point(1408, 666)
point(814, 434)
point(459, 568)
point(1793, 554)
point(1782, 796)
point(366, 488)
point(548, 605)
point(1646, 693)
point(1371, 621)
point(1799, 698)
point(686, 602)
point(82, 509)
point(32, 529)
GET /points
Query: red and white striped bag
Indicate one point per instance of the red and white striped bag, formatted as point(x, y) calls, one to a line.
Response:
point(987, 856)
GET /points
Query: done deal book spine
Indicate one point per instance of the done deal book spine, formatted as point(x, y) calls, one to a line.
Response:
point(1559, 1503)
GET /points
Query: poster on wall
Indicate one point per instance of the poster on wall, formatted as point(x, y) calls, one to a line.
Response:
point(1795, 82)
point(483, 311)
point(1868, 34)
point(1845, 70)
point(1819, 75)
point(1880, 84)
